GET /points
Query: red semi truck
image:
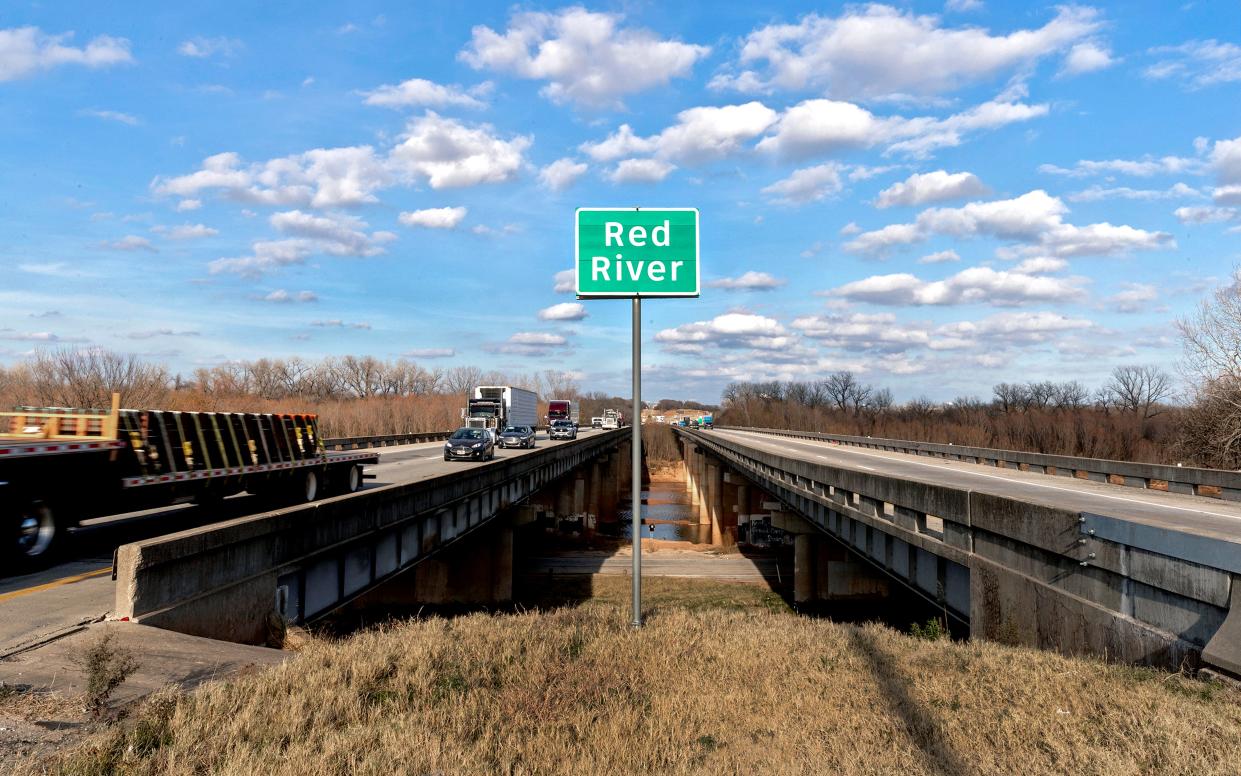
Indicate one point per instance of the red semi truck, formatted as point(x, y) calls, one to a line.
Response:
point(61, 466)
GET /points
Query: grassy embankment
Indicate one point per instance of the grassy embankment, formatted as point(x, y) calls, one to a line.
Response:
point(721, 680)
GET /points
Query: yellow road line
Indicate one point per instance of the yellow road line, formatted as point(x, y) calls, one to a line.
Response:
point(57, 583)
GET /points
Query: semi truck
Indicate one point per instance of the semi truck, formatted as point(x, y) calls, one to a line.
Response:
point(611, 419)
point(562, 409)
point(60, 466)
point(497, 406)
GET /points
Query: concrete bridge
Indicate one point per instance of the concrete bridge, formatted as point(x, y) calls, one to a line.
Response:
point(1136, 562)
point(448, 537)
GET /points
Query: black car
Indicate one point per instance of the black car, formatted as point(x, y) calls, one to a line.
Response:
point(469, 444)
point(562, 429)
point(517, 436)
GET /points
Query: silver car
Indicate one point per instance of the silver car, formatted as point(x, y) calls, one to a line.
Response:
point(517, 436)
point(562, 429)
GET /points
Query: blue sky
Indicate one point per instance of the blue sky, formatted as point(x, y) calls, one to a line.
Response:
point(938, 197)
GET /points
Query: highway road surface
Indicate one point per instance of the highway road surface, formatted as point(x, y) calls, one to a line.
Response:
point(1199, 515)
point(61, 600)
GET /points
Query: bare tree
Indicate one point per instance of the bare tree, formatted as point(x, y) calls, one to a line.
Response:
point(462, 379)
point(88, 378)
point(1140, 389)
point(1011, 397)
point(844, 391)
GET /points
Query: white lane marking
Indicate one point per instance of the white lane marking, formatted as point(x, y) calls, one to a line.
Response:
point(942, 467)
point(433, 457)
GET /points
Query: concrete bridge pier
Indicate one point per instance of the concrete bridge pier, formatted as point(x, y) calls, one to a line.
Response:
point(823, 570)
point(479, 571)
point(715, 496)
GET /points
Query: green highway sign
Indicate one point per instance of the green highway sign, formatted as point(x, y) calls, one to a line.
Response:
point(636, 252)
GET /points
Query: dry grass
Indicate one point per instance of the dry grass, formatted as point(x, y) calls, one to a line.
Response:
point(737, 688)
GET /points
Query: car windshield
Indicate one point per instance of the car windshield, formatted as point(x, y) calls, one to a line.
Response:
point(515, 430)
point(468, 433)
point(561, 423)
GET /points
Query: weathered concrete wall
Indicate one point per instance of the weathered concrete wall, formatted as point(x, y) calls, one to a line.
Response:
point(225, 580)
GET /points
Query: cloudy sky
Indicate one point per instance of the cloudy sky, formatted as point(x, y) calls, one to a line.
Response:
point(937, 196)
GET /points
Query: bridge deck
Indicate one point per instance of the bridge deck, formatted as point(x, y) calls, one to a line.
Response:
point(1202, 516)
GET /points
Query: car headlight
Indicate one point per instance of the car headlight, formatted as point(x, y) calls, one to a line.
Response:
point(448, 445)
point(477, 445)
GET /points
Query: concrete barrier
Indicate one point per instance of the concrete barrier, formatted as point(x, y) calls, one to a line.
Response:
point(384, 440)
point(1017, 571)
point(226, 580)
point(1178, 479)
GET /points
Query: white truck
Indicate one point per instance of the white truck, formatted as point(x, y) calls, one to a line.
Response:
point(497, 406)
point(611, 419)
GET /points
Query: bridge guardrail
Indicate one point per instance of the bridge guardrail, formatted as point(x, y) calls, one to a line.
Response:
point(1178, 479)
point(385, 440)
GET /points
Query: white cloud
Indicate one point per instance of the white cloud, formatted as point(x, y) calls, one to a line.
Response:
point(1227, 195)
point(640, 171)
point(1142, 168)
point(749, 281)
point(430, 353)
point(880, 241)
point(112, 115)
point(820, 126)
point(186, 205)
point(877, 332)
point(1013, 328)
point(561, 174)
point(1204, 214)
point(27, 50)
point(529, 343)
point(1226, 160)
point(585, 57)
point(565, 311)
point(1040, 264)
point(936, 186)
point(450, 154)
point(962, 6)
point(322, 177)
point(699, 135)
point(281, 296)
point(201, 48)
point(185, 231)
point(434, 218)
point(419, 92)
point(565, 282)
point(487, 231)
point(977, 285)
point(337, 323)
point(1098, 193)
point(850, 229)
point(876, 50)
point(333, 234)
point(809, 184)
point(730, 330)
point(1135, 298)
point(1087, 58)
point(131, 242)
point(940, 257)
point(1198, 63)
point(1034, 218)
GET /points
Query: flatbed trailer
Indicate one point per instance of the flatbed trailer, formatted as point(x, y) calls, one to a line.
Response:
point(59, 467)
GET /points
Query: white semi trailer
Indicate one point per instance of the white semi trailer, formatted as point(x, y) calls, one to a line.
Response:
point(497, 406)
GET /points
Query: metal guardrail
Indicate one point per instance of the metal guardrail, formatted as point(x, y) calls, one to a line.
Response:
point(385, 440)
point(1178, 479)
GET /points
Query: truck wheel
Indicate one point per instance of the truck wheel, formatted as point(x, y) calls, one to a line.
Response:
point(306, 487)
point(36, 534)
point(353, 479)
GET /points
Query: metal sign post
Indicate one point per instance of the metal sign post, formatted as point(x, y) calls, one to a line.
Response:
point(635, 457)
point(629, 253)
